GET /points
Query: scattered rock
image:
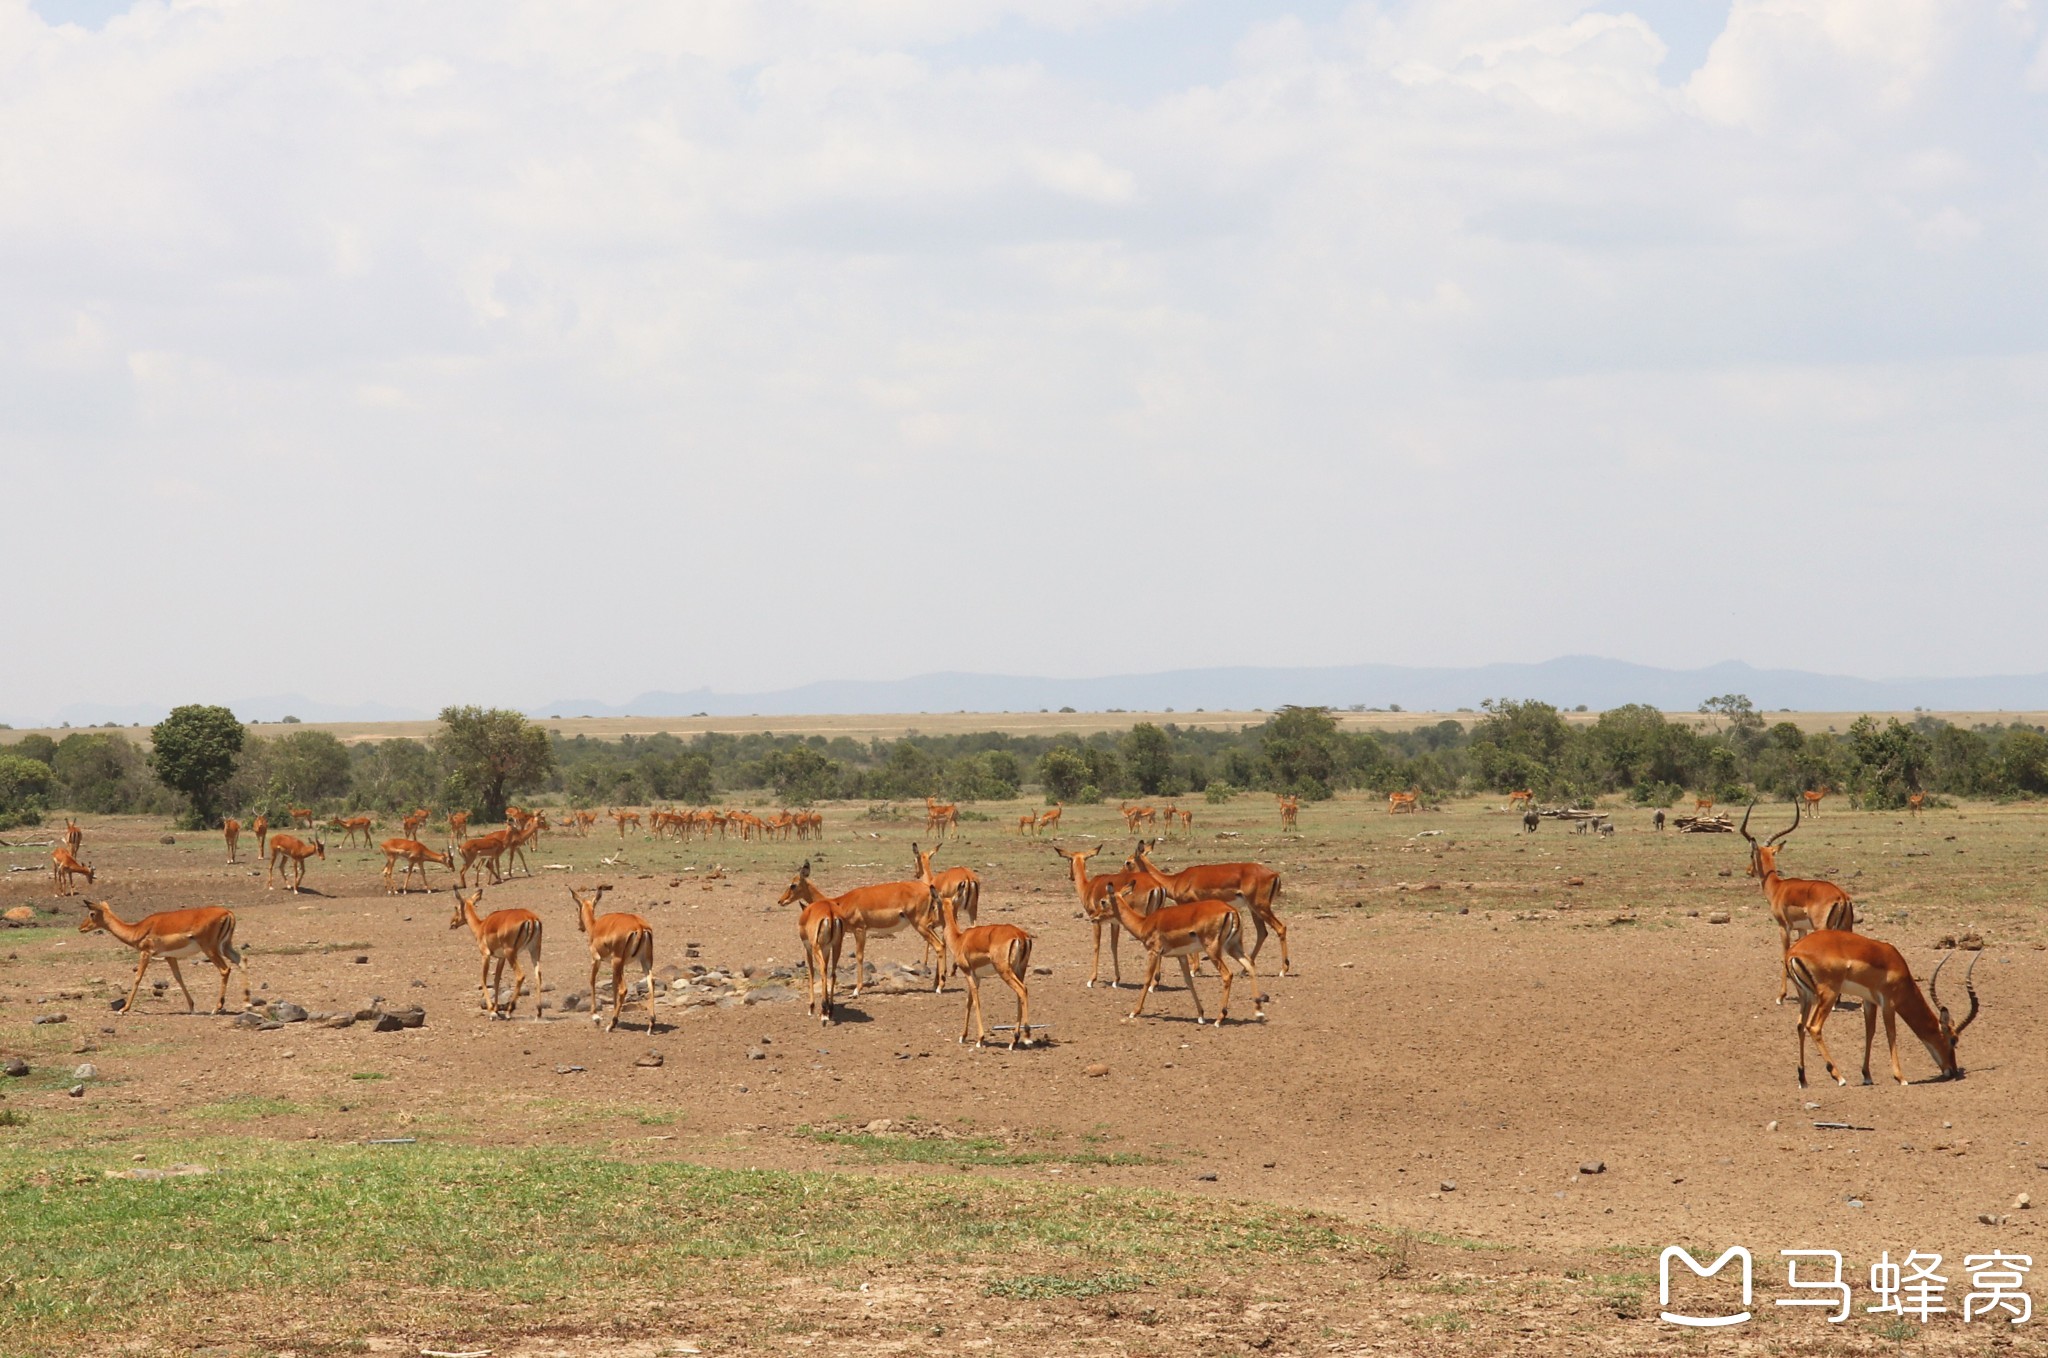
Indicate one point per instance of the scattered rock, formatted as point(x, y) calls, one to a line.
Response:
point(1945, 941)
point(1593, 1167)
point(76, 1091)
point(650, 1059)
point(284, 1011)
point(50, 1018)
point(250, 1019)
point(1095, 1071)
point(756, 1054)
point(2022, 1203)
point(1447, 1186)
point(1856, 1203)
point(385, 1023)
point(14, 1066)
point(1041, 971)
point(1971, 942)
point(1205, 1178)
point(1771, 1126)
point(168, 839)
point(86, 1071)
point(1574, 881)
point(173, 1172)
point(337, 1021)
point(1990, 1219)
point(1719, 917)
point(879, 1126)
point(575, 1004)
point(412, 1016)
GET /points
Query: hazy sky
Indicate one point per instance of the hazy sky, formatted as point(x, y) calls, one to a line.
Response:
point(501, 351)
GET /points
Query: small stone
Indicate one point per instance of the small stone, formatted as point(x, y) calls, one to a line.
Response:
point(14, 1066)
point(574, 1004)
point(249, 1019)
point(76, 1091)
point(362, 959)
point(1447, 1186)
point(1990, 1219)
point(1041, 971)
point(287, 1053)
point(40, 1019)
point(1719, 917)
point(338, 1021)
point(284, 1011)
point(2022, 1203)
point(1205, 1178)
point(1771, 1126)
point(878, 1126)
point(1096, 1070)
point(650, 1059)
point(86, 1071)
point(1857, 1203)
point(413, 1016)
point(168, 839)
point(756, 1054)
point(1593, 1167)
point(387, 1023)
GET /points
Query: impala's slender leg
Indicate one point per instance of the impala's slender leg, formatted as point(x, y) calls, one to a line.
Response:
point(489, 991)
point(1007, 969)
point(595, 963)
point(1784, 951)
point(129, 1007)
point(1151, 978)
point(1096, 970)
point(1869, 1036)
point(618, 990)
point(190, 1006)
point(1817, 1020)
point(1891, 1040)
point(647, 971)
point(972, 1016)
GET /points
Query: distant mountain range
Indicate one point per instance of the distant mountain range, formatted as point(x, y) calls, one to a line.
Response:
point(1567, 682)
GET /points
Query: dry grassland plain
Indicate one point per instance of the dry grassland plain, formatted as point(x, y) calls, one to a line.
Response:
point(1393, 1161)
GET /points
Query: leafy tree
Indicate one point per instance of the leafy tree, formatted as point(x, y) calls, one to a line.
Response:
point(1062, 773)
point(24, 789)
point(1148, 756)
point(100, 773)
point(2023, 760)
point(801, 775)
point(1301, 746)
point(38, 747)
point(193, 751)
point(1520, 744)
point(306, 767)
point(491, 755)
point(909, 771)
point(1888, 761)
point(393, 775)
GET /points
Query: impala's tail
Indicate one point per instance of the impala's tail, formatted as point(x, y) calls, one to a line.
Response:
point(1020, 956)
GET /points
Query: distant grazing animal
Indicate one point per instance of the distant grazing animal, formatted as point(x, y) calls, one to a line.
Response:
point(64, 866)
point(297, 851)
point(1658, 819)
point(1813, 800)
point(261, 828)
point(1530, 820)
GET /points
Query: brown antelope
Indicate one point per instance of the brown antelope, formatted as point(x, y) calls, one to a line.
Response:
point(517, 840)
point(1027, 824)
point(207, 931)
point(1702, 805)
point(301, 817)
point(260, 827)
point(64, 866)
point(502, 936)
point(882, 910)
point(1290, 808)
point(411, 825)
point(624, 818)
point(1812, 798)
point(957, 884)
point(1209, 928)
point(1830, 963)
point(490, 849)
point(458, 825)
point(1524, 799)
point(617, 939)
point(940, 817)
point(231, 829)
point(1050, 820)
point(416, 856)
point(822, 932)
point(352, 826)
point(291, 853)
point(1400, 801)
point(74, 835)
point(1799, 905)
point(1255, 884)
point(1002, 949)
point(1096, 905)
point(1915, 802)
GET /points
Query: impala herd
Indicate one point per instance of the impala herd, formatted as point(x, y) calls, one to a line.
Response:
point(1197, 913)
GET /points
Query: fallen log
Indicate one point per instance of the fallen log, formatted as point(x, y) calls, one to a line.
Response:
point(1704, 825)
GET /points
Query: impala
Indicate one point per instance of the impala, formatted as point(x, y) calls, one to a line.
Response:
point(411, 825)
point(882, 909)
point(1702, 805)
point(1400, 801)
point(1050, 820)
point(232, 830)
point(1915, 802)
point(822, 932)
point(1813, 800)
point(352, 826)
point(416, 856)
point(1208, 928)
point(502, 936)
point(260, 827)
point(1257, 885)
point(956, 884)
point(1289, 808)
point(617, 939)
point(64, 866)
point(1002, 949)
point(1799, 905)
point(1829, 963)
point(458, 825)
point(517, 840)
point(623, 818)
point(207, 931)
point(1525, 799)
point(301, 816)
point(74, 835)
point(1027, 823)
point(490, 848)
point(289, 847)
point(1100, 910)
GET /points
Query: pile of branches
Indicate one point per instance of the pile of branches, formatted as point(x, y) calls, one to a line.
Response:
point(1705, 825)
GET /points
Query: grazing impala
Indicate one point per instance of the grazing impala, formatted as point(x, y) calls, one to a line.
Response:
point(290, 853)
point(1097, 906)
point(502, 936)
point(1400, 801)
point(1003, 949)
point(1829, 963)
point(490, 849)
point(1050, 820)
point(416, 856)
point(1799, 905)
point(260, 827)
point(1255, 884)
point(882, 910)
point(231, 829)
point(64, 866)
point(208, 932)
point(1206, 928)
point(617, 939)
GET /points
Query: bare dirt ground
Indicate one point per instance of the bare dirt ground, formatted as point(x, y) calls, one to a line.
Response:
point(1479, 1015)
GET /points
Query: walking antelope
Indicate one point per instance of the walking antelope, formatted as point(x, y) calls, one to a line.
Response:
point(490, 849)
point(1257, 885)
point(1830, 963)
point(351, 826)
point(64, 866)
point(231, 829)
point(1524, 799)
point(1400, 801)
point(1800, 905)
point(618, 939)
point(416, 856)
point(260, 827)
point(1209, 928)
point(502, 936)
point(208, 931)
point(881, 909)
point(1002, 949)
point(1096, 905)
point(291, 853)
point(301, 816)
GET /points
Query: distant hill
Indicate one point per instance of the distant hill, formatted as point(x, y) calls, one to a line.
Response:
point(1567, 682)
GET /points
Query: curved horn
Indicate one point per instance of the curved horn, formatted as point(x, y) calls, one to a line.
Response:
point(1971, 990)
point(1934, 981)
point(1745, 821)
point(1790, 828)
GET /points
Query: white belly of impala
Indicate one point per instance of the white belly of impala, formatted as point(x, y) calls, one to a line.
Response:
point(185, 947)
point(1853, 991)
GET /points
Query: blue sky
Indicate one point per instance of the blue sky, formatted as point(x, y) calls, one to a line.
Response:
point(492, 351)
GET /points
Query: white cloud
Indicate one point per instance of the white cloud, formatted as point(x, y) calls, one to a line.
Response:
point(751, 288)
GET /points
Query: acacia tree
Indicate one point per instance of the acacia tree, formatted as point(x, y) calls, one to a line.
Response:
point(193, 751)
point(491, 755)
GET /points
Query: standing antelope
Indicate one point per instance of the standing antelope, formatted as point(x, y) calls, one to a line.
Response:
point(64, 866)
point(1209, 928)
point(502, 936)
point(1524, 799)
point(1290, 807)
point(297, 851)
point(956, 884)
point(207, 931)
point(1096, 905)
point(1829, 963)
point(1915, 802)
point(458, 825)
point(1003, 949)
point(232, 830)
point(1027, 823)
point(1800, 905)
point(1812, 798)
point(1702, 805)
point(1255, 884)
point(622, 817)
point(490, 848)
point(882, 909)
point(822, 932)
point(261, 828)
point(1050, 820)
point(351, 826)
point(74, 835)
point(301, 816)
point(416, 856)
point(1400, 801)
point(618, 939)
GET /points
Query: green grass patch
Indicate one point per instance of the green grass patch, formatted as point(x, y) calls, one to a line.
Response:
point(368, 1075)
point(981, 1152)
point(1046, 1286)
point(246, 1106)
point(324, 1242)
